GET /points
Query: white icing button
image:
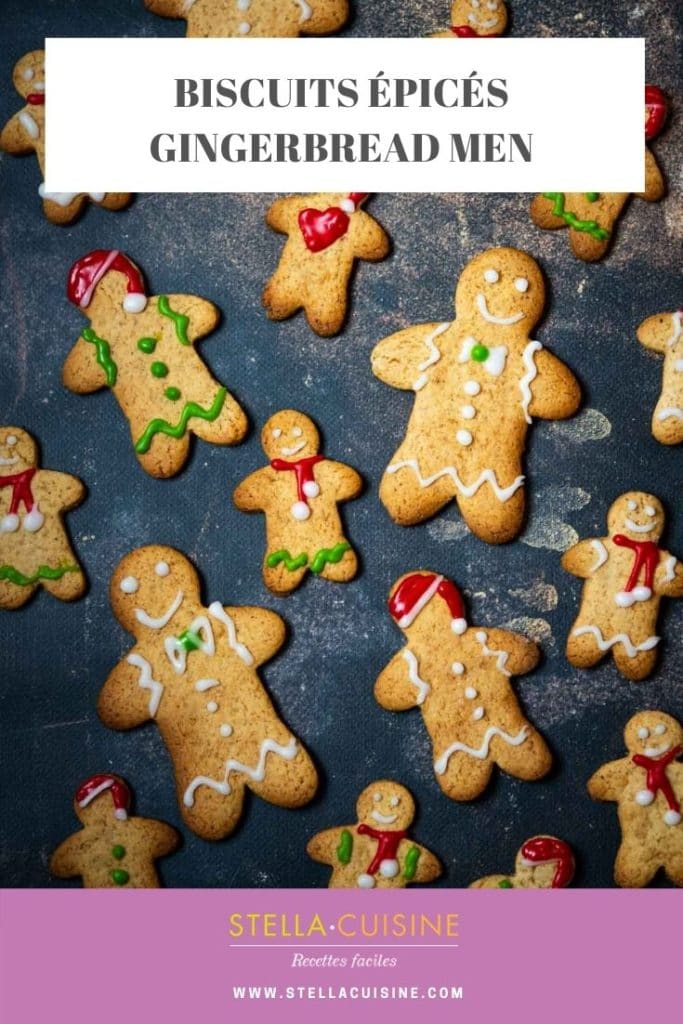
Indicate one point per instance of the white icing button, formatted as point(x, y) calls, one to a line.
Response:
point(162, 569)
point(212, 706)
point(471, 693)
point(458, 668)
point(9, 523)
point(33, 520)
point(478, 714)
point(348, 206)
point(644, 797)
point(134, 303)
point(491, 276)
point(243, 28)
point(464, 438)
point(311, 489)
point(365, 882)
point(468, 412)
point(10, 440)
point(129, 585)
point(472, 388)
point(521, 284)
point(226, 730)
point(672, 818)
point(459, 626)
point(300, 510)
point(388, 868)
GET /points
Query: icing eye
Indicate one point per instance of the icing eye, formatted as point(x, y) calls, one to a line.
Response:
point(632, 506)
point(660, 729)
point(395, 801)
point(474, 3)
point(297, 431)
point(650, 511)
point(491, 276)
point(521, 284)
point(10, 440)
point(28, 74)
point(162, 569)
point(129, 585)
point(277, 433)
point(643, 733)
point(492, 5)
point(377, 798)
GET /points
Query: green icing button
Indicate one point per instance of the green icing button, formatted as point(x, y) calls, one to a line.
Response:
point(173, 394)
point(147, 345)
point(119, 876)
point(159, 369)
point(479, 353)
point(118, 852)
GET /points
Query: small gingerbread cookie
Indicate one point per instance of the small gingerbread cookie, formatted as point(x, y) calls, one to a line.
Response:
point(25, 133)
point(626, 575)
point(459, 676)
point(592, 216)
point(194, 671)
point(479, 381)
point(544, 862)
point(663, 333)
point(34, 547)
point(253, 18)
point(327, 233)
point(376, 852)
point(476, 19)
point(144, 350)
point(647, 786)
point(299, 493)
point(113, 849)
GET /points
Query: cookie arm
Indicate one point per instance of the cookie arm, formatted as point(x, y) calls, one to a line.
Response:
point(396, 359)
point(81, 372)
point(523, 654)
point(669, 576)
point(161, 838)
point(322, 845)
point(281, 215)
point(555, 391)
point(609, 780)
point(580, 560)
point(166, 8)
point(71, 489)
point(325, 17)
point(654, 332)
point(261, 631)
point(346, 480)
point(14, 137)
point(64, 862)
point(249, 494)
point(202, 316)
point(428, 866)
point(393, 688)
point(655, 186)
point(370, 240)
point(123, 703)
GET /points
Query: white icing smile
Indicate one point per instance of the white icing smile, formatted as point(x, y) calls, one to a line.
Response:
point(163, 620)
point(9, 462)
point(657, 751)
point(502, 321)
point(384, 819)
point(636, 528)
point(294, 450)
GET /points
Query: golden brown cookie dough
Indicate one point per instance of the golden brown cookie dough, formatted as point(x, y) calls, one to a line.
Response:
point(663, 333)
point(544, 862)
point(472, 19)
point(248, 19)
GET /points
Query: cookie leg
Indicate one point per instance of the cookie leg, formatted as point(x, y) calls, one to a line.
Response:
point(674, 869)
point(493, 521)
point(531, 760)
point(465, 777)
point(282, 580)
point(13, 596)
point(281, 296)
point(582, 651)
point(407, 502)
point(212, 815)
point(70, 586)
point(288, 783)
point(637, 668)
point(587, 248)
point(115, 200)
point(341, 570)
point(326, 308)
point(633, 869)
point(166, 455)
point(229, 428)
point(542, 214)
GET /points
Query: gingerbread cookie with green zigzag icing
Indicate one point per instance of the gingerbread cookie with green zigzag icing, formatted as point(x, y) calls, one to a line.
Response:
point(299, 492)
point(592, 216)
point(144, 350)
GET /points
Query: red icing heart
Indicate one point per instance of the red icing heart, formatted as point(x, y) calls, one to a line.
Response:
point(322, 228)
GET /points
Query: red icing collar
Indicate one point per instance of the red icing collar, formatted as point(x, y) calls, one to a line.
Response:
point(21, 489)
point(388, 843)
point(36, 99)
point(302, 468)
point(657, 780)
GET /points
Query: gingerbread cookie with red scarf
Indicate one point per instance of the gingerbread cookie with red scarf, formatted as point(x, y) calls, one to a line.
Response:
point(34, 546)
point(327, 233)
point(544, 862)
point(377, 852)
point(593, 216)
point(114, 849)
point(25, 133)
point(647, 786)
point(249, 19)
point(459, 676)
point(476, 19)
point(299, 492)
point(626, 576)
point(663, 333)
point(143, 349)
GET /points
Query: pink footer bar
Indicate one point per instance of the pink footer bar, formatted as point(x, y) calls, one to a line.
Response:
point(244, 956)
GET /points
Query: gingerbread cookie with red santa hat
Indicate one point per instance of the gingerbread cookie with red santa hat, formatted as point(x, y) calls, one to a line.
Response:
point(544, 862)
point(114, 849)
point(663, 333)
point(299, 493)
point(25, 133)
point(377, 852)
point(249, 19)
point(592, 217)
point(459, 676)
point(647, 786)
point(327, 233)
point(34, 546)
point(143, 348)
point(626, 576)
point(476, 19)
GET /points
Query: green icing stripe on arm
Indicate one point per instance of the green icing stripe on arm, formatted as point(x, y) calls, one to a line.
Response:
point(589, 227)
point(103, 355)
point(326, 555)
point(505, 884)
point(410, 866)
point(43, 572)
point(345, 848)
point(190, 409)
point(291, 563)
point(180, 321)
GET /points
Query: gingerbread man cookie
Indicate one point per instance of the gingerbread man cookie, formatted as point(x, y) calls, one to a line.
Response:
point(478, 383)
point(376, 852)
point(473, 19)
point(459, 676)
point(299, 493)
point(663, 333)
point(143, 349)
point(25, 133)
point(647, 786)
point(592, 216)
point(34, 547)
point(327, 233)
point(626, 575)
point(544, 862)
point(113, 849)
point(193, 670)
point(252, 18)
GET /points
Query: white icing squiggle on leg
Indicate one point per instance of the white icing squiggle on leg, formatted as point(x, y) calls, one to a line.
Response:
point(257, 774)
point(481, 752)
point(306, 11)
point(619, 638)
point(670, 412)
point(467, 490)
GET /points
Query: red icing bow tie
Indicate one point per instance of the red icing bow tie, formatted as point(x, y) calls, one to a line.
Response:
point(655, 768)
point(36, 99)
point(322, 228)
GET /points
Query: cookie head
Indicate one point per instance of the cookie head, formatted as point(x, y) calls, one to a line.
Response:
point(290, 435)
point(545, 862)
point(103, 278)
point(503, 288)
point(386, 805)
point(637, 515)
point(29, 77)
point(150, 586)
point(427, 601)
point(102, 799)
point(482, 17)
point(18, 451)
point(652, 733)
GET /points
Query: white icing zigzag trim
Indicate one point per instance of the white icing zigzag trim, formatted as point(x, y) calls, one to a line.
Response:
point(423, 688)
point(482, 752)
point(619, 638)
point(670, 412)
point(434, 356)
point(500, 656)
point(467, 490)
point(257, 774)
point(602, 555)
point(146, 682)
point(529, 376)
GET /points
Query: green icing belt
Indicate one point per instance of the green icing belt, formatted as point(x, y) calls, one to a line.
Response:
point(179, 319)
point(103, 355)
point(319, 562)
point(410, 865)
point(43, 572)
point(590, 227)
point(190, 409)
